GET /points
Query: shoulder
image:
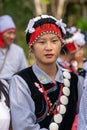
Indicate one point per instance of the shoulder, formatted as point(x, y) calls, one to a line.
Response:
point(16, 47)
point(28, 75)
point(27, 72)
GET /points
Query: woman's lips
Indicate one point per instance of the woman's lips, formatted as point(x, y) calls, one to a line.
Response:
point(49, 55)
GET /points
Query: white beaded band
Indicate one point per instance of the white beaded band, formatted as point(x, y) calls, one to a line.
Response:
point(57, 119)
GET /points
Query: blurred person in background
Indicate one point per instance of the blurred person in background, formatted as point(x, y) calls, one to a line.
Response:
point(71, 58)
point(79, 60)
point(82, 118)
point(74, 41)
point(81, 53)
point(44, 96)
point(12, 57)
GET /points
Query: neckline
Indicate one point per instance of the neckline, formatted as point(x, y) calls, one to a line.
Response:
point(44, 78)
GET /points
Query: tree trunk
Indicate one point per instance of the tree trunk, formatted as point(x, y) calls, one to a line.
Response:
point(38, 8)
point(60, 8)
point(53, 8)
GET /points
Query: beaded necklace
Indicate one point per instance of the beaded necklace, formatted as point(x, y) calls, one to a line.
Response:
point(60, 108)
point(52, 110)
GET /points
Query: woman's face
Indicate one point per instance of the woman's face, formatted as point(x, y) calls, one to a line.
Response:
point(79, 53)
point(47, 49)
point(8, 37)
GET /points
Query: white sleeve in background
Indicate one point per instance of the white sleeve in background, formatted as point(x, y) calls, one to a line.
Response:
point(4, 114)
point(23, 61)
point(80, 90)
point(82, 120)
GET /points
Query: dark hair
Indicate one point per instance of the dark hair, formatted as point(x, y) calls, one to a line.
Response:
point(67, 35)
point(63, 50)
point(40, 23)
point(3, 89)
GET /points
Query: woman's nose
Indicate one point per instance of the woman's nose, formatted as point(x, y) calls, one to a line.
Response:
point(12, 35)
point(49, 45)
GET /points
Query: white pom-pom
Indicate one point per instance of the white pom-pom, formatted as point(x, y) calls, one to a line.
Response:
point(62, 25)
point(37, 18)
point(44, 16)
point(30, 28)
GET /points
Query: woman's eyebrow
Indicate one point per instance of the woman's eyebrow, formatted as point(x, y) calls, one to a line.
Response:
point(55, 37)
point(49, 38)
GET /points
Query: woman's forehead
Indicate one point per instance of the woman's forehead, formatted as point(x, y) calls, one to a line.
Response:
point(49, 35)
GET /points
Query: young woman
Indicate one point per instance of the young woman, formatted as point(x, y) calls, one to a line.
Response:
point(4, 106)
point(44, 96)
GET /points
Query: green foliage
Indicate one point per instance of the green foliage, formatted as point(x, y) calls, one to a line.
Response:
point(22, 10)
point(82, 24)
point(46, 1)
point(73, 16)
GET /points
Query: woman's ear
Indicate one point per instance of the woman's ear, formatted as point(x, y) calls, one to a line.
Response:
point(30, 49)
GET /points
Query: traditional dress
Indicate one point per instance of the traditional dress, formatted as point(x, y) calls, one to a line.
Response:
point(47, 103)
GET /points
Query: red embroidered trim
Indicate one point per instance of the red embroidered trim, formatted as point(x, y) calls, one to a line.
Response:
point(44, 28)
point(51, 109)
point(72, 47)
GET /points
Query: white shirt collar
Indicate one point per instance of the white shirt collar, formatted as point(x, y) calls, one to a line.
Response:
point(44, 78)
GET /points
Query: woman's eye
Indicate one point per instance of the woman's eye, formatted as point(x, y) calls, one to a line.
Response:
point(55, 40)
point(41, 42)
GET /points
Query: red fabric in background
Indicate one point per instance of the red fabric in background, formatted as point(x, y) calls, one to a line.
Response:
point(1, 43)
point(71, 47)
point(74, 126)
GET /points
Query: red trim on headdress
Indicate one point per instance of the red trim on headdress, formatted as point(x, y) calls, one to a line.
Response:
point(44, 28)
point(71, 47)
point(8, 29)
point(1, 43)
